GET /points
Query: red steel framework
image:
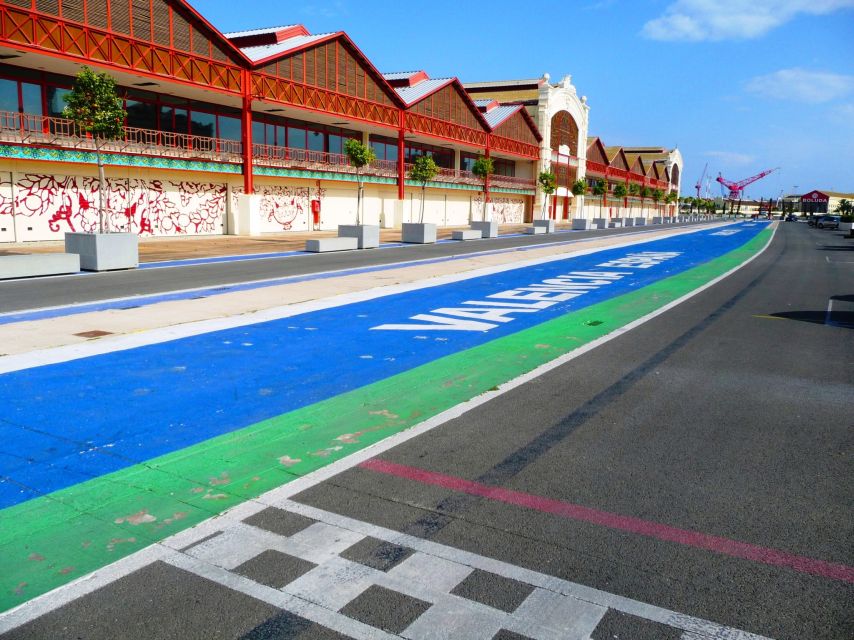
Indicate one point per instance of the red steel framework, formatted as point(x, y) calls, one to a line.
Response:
point(40, 32)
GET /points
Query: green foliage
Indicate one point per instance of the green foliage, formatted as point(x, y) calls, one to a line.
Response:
point(644, 192)
point(359, 154)
point(483, 167)
point(671, 197)
point(600, 188)
point(845, 208)
point(579, 188)
point(657, 195)
point(548, 182)
point(634, 189)
point(424, 170)
point(94, 105)
point(620, 191)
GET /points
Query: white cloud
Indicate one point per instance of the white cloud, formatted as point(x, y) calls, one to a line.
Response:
point(731, 158)
point(696, 20)
point(802, 85)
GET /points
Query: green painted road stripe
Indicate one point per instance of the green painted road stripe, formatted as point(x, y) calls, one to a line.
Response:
point(49, 541)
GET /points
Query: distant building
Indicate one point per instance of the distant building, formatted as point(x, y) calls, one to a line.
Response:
point(819, 202)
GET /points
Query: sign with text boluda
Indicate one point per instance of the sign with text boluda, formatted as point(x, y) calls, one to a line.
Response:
point(499, 308)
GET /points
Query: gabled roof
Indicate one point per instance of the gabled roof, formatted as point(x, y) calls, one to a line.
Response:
point(497, 114)
point(212, 30)
point(265, 52)
point(420, 90)
point(271, 35)
point(405, 78)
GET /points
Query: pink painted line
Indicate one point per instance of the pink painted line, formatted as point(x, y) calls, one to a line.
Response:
point(724, 546)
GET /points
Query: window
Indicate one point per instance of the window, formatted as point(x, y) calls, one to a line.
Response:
point(296, 138)
point(141, 114)
point(8, 95)
point(229, 128)
point(32, 96)
point(203, 124)
point(316, 141)
point(55, 102)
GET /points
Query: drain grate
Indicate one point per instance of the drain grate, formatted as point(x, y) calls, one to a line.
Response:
point(96, 333)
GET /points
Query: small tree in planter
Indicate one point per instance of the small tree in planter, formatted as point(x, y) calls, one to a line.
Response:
point(670, 199)
point(423, 171)
point(634, 191)
point(644, 193)
point(620, 191)
point(579, 188)
point(360, 156)
point(96, 110)
point(657, 195)
point(548, 183)
point(483, 168)
point(600, 189)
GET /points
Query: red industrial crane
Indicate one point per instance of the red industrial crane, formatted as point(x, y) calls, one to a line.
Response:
point(699, 184)
point(736, 189)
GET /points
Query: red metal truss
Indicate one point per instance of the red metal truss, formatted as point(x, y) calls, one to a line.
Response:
point(596, 168)
point(48, 34)
point(515, 147)
point(442, 129)
point(269, 87)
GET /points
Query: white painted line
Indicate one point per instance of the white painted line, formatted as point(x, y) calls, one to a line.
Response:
point(829, 311)
point(54, 599)
point(65, 353)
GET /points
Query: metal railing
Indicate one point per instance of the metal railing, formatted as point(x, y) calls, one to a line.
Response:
point(28, 128)
point(562, 158)
point(290, 158)
point(461, 176)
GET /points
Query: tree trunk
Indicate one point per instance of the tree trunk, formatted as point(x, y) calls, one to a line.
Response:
point(101, 180)
point(545, 205)
point(423, 196)
point(358, 194)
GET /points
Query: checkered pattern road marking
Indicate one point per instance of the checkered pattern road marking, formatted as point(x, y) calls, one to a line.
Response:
point(326, 571)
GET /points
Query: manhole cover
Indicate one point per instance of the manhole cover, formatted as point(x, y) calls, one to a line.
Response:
point(96, 333)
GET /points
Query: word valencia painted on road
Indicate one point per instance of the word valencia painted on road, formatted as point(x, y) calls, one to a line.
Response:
point(499, 308)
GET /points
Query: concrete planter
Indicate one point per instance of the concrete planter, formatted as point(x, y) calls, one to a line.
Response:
point(548, 225)
point(846, 226)
point(615, 223)
point(581, 224)
point(640, 222)
point(104, 251)
point(628, 222)
point(658, 220)
point(489, 229)
point(368, 235)
point(599, 223)
point(419, 232)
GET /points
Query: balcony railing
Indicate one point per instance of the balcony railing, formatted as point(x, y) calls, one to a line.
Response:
point(562, 158)
point(27, 128)
point(460, 176)
point(305, 159)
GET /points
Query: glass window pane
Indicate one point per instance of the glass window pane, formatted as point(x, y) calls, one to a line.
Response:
point(316, 141)
point(8, 95)
point(55, 103)
point(379, 149)
point(258, 133)
point(203, 124)
point(336, 144)
point(391, 152)
point(182, 121)
point(141, 114)
point(296, 138)
point(32, 94)
point(229, 128)
point(167, 115)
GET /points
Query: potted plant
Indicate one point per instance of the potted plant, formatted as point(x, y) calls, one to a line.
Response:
point(423, 171)
point(579, 189)
point(548, 183)
point(634, 192)
point(657, 195)
point(671, 198)
point(644, 193)
point(601, 189)
point(620, 191)
point(483, 168)
point(93, 105)
point(368, 235)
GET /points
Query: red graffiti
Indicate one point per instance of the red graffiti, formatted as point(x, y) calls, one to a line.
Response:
point(63, 213)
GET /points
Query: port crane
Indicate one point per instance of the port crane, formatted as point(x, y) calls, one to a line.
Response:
point(699, 185)
point(736, 189)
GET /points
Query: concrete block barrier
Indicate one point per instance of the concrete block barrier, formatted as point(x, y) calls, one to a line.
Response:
point(325, 245)
point(38, 264)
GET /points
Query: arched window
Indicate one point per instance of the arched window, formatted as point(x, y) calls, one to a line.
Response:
point(564, 132)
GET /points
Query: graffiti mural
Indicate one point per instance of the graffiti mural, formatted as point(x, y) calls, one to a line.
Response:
point(48, 205)
point(504, 210)
point(284, 208)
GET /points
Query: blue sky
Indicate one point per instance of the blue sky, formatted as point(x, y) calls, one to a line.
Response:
point(744, 85)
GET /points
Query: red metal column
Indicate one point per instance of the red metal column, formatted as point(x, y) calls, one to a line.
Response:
point(486, 197)
point(401, 148)
point(246, 133)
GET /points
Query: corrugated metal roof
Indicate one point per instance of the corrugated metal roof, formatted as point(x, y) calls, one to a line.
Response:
point(259, 53)
point(411, 95)
point(258, 32)
point(502, 83)
point(399, 75)
point(500, 114)
point(484, 102)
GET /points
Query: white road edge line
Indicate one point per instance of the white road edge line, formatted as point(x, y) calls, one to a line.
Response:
point(65, 353)
point(51, 600)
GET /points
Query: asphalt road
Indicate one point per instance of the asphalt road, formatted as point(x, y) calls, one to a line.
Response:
point(730, 415)
point(48, 292)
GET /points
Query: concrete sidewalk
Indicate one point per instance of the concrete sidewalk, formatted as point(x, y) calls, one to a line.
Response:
point(188, 247)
